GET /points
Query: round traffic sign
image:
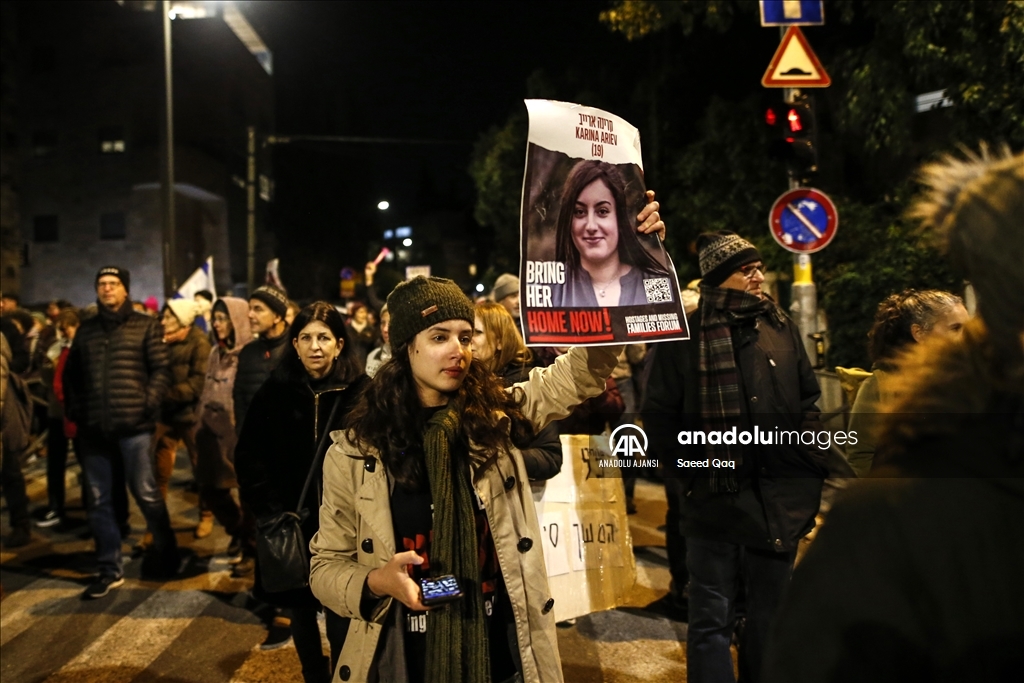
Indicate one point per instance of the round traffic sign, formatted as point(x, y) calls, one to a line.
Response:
point(803, 220)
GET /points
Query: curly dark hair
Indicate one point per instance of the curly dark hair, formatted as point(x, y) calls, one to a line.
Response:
point(388, 417)
point(898, 313)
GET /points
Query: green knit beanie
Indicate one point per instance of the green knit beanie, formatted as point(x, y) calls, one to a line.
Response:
point(417, 304)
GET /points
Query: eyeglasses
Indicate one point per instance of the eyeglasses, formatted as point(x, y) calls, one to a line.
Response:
point(749, 270)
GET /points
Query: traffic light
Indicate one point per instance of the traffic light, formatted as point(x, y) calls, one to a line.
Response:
point(795, 135)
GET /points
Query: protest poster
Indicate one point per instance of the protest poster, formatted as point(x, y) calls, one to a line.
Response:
point(587, 276)
point(588, 549)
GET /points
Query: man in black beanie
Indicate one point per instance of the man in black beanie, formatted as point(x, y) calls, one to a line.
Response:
point(267, 308)
point(257, 359)
point(744, 512)
point(115, 380)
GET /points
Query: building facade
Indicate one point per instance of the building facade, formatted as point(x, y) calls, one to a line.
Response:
point(90, 117)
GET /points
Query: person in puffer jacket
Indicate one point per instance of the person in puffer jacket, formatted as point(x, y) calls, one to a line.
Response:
point(115, 379)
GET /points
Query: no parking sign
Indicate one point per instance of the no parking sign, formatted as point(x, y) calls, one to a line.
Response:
point(803, 220)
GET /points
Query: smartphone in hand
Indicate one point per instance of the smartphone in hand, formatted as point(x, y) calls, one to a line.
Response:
point(439, 590)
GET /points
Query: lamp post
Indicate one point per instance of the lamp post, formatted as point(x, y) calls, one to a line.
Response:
point(170, 276)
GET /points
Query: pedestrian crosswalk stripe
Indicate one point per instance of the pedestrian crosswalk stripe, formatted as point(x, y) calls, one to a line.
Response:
point(22, 608)
point(127, 648)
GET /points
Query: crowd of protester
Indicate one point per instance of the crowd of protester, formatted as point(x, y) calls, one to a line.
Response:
point(419, 460)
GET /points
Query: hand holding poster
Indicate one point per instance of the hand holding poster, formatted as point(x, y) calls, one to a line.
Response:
point(588, 276)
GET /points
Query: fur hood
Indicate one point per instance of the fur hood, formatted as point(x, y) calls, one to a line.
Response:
point(960, 411)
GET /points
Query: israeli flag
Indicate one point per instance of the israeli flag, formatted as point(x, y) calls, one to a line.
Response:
point(201, 279)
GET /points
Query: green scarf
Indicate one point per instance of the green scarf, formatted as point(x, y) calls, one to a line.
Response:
point(456, 638)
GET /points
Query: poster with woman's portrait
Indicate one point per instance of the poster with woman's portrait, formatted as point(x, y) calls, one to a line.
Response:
point(588, 277)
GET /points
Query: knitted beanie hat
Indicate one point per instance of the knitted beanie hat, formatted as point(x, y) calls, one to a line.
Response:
point(421, 302)
point(121, 274)
point(721, 253)
point(275, 299)
point(184, 310)
point(506, 285)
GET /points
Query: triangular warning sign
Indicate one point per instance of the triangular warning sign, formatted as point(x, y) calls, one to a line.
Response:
point(795, 65)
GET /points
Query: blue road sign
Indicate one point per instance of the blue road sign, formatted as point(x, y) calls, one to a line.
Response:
point(803, 220)
point(792, 12)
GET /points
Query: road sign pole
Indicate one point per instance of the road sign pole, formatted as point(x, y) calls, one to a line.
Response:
point(804, 305)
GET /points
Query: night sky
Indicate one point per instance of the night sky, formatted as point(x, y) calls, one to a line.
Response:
point(435, 70)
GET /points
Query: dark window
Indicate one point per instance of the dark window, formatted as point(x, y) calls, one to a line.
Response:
point(44, 59)
point(44, 229)
point(112, 226)
point(111, 140)
point(43, 142)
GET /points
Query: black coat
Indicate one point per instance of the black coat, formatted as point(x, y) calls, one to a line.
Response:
point(256, 361)
point(543, 457)
point(117, 373)
point(276, 448)
point(917, 574)
point(780, 484)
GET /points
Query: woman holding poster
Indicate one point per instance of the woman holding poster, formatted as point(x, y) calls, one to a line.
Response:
point(596, 239)
point(427, 488)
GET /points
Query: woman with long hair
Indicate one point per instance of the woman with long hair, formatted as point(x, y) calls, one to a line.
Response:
point(498, 346)
point(901, 321)
point(605, 262)
point(307, 395)
point(428, 480)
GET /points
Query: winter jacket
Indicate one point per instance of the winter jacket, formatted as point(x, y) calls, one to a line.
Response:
point(276, 448)
point(117, 373)
point(865, 416)
point(215, 435)
point(356, 532)
point(255, 363)
point(917, 574)
point(376, 358)
point(188, 360)
point(543, 457)
point(779, 484)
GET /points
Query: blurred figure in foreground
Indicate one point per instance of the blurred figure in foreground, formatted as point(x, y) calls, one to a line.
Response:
point(917, 575)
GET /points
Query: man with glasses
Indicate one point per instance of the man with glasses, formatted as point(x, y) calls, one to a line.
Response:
point(115, 379)
point(743, 512)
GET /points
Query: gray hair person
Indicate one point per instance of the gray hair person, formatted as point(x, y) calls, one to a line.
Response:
point(901, 321)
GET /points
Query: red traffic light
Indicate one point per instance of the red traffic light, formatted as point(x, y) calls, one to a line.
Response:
point(795, 124)
point(769, 117)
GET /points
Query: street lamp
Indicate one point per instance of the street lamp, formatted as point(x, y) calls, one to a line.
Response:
point(383, 205)
point(170, 279)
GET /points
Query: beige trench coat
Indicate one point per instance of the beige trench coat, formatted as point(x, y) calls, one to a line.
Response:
point(356, 532)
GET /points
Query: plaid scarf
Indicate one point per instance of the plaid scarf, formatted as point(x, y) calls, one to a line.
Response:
point(723, 312)
point(457, 649)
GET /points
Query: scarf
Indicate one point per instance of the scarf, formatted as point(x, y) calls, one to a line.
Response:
point(175, 337)
point(457, 648)
point(725, 313)
point(110, 319)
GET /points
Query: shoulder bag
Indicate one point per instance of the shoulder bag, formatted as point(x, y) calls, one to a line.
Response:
point(281, 548)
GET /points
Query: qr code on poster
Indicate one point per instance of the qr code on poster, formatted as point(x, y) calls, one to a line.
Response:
point(658, 290)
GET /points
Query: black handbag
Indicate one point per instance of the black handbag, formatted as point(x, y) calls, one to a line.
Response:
point(282, 550)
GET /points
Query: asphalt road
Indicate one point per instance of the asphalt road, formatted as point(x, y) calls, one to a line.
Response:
point(204, 628)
